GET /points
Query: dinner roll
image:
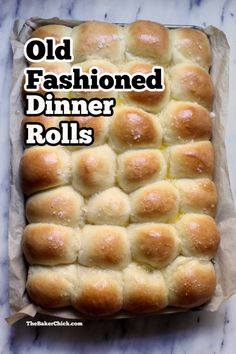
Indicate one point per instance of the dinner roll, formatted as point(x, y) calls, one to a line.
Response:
point(151, 101)
point(55, 31)
point(197, 196)
point(190, 82)
point(56, 67)
point(44, 167)
point(144, 290)
point(100, 126)
point(139, 167)
point(191, 45)
point(131, 127)
point(104, 67)
point(109, 207)
point(49, 244)
point(46, 121)
point(156, 202)
point(104, 246)
point(183, 122)
point(62, 205)
point(191, 282)
point(98, 292)
point(51, 287)
point(93, 169)
point(154, 244)
point(191, 160)
point(199, 235)
point(150, 41)
point(92, 40)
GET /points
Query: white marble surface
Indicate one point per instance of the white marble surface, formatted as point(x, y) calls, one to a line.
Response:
point(196, 332)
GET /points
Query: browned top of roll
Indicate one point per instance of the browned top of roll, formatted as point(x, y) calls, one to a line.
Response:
point(199, 234)
point(152, 101)
point(47, 122)
point(156, 202)
point(98, 292)
point(139, 167)
point(154, 244)
point(51, 287)
point(55, 31)
point(197, 196)
point(98, 124)
point(99, 40)
point(191, 282)
point(190, 82)
point(191, 45)
point(61, 205)
point(184, 121)
point(192, 160)
point(149, 40)
point(44, 167)
point(133, 127)
point(144, 291)
point(49, 244)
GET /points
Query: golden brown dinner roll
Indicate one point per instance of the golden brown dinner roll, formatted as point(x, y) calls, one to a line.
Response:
point(93, 169)
point(99, 125)
point(151, 101)
point(191, 160)
point(104, 67)
point(56, 67)
point(144, 290)
point(49, 244)
point(139, 167)
point(189, 82)
point(55, 31)
point(197, 196)
point(154, 244)
point(51, 287)
point(62, 205)
point(131, 127)
point(199, 235)
point(150, 41)
point(98, 40)
point(46, 121)
point(191, 282)
point(190, 45)
point(104, 246)
point(44, 167)
point(184, 122)
point(109, 207)
point(156, 202)
point(98, 292)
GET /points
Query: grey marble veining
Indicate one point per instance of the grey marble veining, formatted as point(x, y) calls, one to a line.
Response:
point(193, 332)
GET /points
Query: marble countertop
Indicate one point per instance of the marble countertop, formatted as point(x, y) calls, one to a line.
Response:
point(192, 332)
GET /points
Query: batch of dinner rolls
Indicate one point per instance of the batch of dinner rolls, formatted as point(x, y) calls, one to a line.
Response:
point(127, 223)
